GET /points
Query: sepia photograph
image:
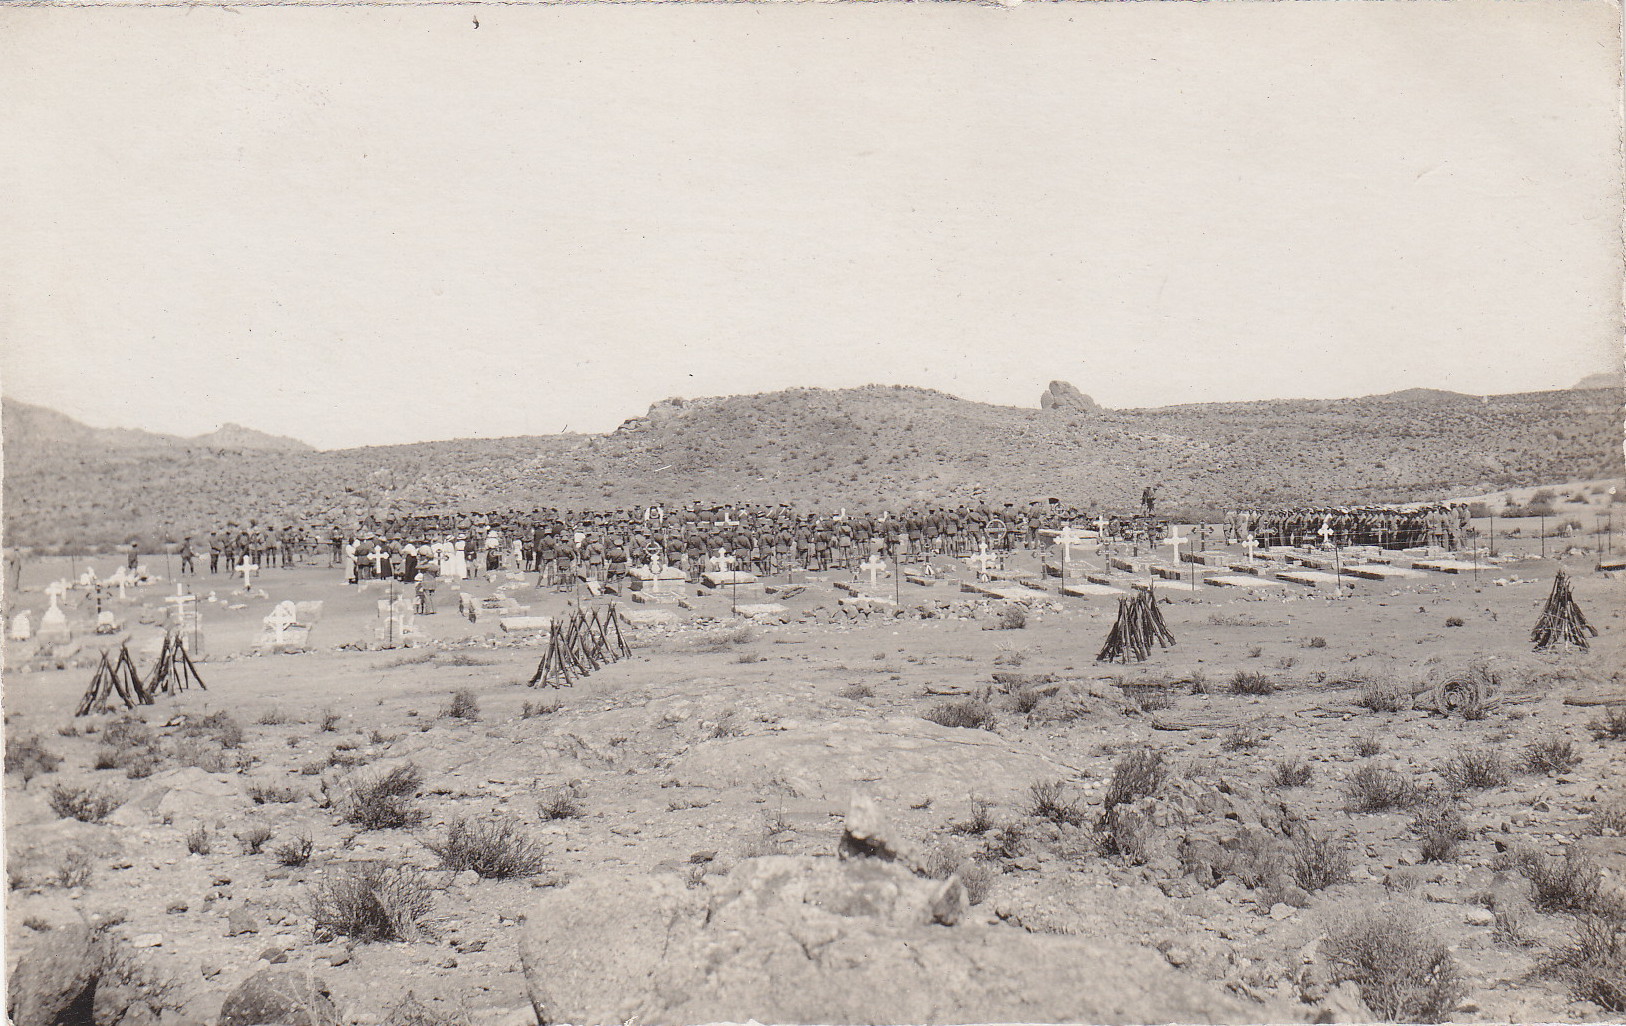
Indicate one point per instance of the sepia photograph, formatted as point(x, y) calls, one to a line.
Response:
point(652, 514)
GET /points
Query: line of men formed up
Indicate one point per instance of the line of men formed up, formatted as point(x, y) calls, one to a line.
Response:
point(562, 546)
point(1439, 525)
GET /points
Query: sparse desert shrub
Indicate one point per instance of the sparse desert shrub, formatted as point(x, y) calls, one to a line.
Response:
point(378, 737)
point(86, 804)
point(221, 726)
point(945, 859)
point(528, 710)
point(1593, 965)
point(1439, 832)
point(1026, 699)
point(409, 1011)
point(294, 853)
point(1245, 682)
point(966, 712)
point(1475, 769)
point(253, 839)
point(272, 717)
point(1551, 755)
point(495, 849)
point(1291, 773)
point(385, 802)
point(1255, 652)
point(30, 758)
point(1004, 842)
point(723, 640)
point(746, 658)
point(1242, 739)
point(1377, 789)
point(1611, 726)
point(1453, 621)
point(205, 754)
point(311, 769)
point(1138, 774)
point(1367, 745)
point(462, 659)
point(1316, 642)
point(1317, 862)
point(330, 721)
point(370, 902)
point(1574, 883)
point(1404, 974)
point(271, 794)
point(198, 841)
point(1508, 927)
point(981, 821)
point(1609, 818)
point(128, 731)
point(727, 724)
point(463, 706)
point(1012, 617)
point(75, 869)
point(1153, 699)
point(1048, 800)
point(563, 801)
point(1385, 698)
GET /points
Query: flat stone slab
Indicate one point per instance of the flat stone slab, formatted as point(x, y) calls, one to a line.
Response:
point(1091, 590)
point(1213, 557)
point(642, 573)
point(1381, 572)
point(649, 617)
point(924, 582)
point(992, 589)
point(1612, 563)
point(1241, 581)
point(658, 598)
point(1174, 573)
point(1310, 578)
point(726, 578)
point(1180, 587)
point(520, 624)
point(1447, 566)
point(863, 600)
point(759, 609)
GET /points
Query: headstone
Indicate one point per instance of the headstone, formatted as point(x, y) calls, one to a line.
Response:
point(22, 626)
point(54, 622)
point(283, 629)
point(983, 559)
point(395, 626)
point(107, 623)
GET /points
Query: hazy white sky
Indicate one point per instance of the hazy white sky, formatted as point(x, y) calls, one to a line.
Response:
point(362, 226)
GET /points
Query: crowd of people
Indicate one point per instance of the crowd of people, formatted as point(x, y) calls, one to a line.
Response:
point(1438, 525)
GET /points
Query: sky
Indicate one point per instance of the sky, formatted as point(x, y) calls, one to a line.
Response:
point(363, 226)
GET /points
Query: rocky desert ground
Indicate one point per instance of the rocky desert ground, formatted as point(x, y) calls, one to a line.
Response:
point(839, 811)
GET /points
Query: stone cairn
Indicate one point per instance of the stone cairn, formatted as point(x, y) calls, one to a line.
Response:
point(1562, 623)
point(1139, 624)
point(587, 641)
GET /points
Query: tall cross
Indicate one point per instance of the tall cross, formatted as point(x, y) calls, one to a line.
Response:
point(1067, 538)
point(1174, 541)
point(874, 565)
point(247, 569)
point(1251, 544)
point(1326, 531)
point(56, 589)
point(179, 601)
point(983, 558)
point(1101, 525)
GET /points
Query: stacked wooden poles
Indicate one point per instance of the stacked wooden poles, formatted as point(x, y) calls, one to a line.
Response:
point(1562, 622)
point(1139, 625)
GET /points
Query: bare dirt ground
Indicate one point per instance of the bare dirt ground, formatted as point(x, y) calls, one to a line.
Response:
point(722, 753)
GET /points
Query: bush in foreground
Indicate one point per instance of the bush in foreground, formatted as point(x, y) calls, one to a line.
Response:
point(967, 712)
point(1404, 974)
point(86, 804)
point(385, 802)
point(494, 849)
point(1593, 965)
point(371, 902)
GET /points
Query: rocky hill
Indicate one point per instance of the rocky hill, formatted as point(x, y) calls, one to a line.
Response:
point(860, 448)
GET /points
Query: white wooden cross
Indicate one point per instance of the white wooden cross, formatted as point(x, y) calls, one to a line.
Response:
point(1251, 544)
point(56, 589)
point(1067, 537)
point(1175, 541)
point(121, 577)
point(247, 569)
point(179, 601)
point(377, 559)
point(1326, 531)
point(874, 565)
point(1101, 526)
point(722, 562)
point(983, 558)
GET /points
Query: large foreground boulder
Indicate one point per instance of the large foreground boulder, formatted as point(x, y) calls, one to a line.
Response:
point(795, 939)
point(56, 981)
point(280, 997)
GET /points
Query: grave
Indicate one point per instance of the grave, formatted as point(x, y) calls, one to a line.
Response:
point(998, 590)
point(1209, 557)
point(1610, 564)
point(1083, 589)
point(1381, 572)
point(649, 617)
point(1447, 566)
point(525, 624)
point(54, 622)
point(22, 627)
point(282, 630)
point(1249, 581)
point(1310, 578)
point(395, 626)
point(762, 610)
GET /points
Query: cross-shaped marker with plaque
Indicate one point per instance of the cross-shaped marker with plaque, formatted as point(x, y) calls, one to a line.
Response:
point(874, 565)
point(247, 570)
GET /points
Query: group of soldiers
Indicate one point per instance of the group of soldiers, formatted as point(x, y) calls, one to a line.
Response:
point(563, 546)
point(264, 545)
point(1437, 525)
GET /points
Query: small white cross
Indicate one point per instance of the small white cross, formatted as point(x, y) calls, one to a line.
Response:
point(657, 559)
point(179, 601)
point(722, 562)
point(56, 589)
point(378, 558)
point(247, 569)
point(1251, 544)
point(983, 558)
point(874, 565)
point(1326, 531)
point(1101, 526)
point(1067, 538)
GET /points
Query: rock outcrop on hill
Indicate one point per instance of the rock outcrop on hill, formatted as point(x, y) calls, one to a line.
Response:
point(1064, 396)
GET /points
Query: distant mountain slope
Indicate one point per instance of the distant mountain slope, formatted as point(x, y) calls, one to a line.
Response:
point(859, 448)
point(26, 425)
point(236, 436)
point(1603, 379)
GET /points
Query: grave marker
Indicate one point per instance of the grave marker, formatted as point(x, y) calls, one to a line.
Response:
point(247, 569)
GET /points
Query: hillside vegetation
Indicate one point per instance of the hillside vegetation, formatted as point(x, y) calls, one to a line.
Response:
point(859, 448)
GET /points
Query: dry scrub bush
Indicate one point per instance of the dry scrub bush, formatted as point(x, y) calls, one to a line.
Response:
point(370, 902)
point(409, 1011)
point(269, 794)
point(1317, 862)
point(253, 839)
point(463, 706)
point(206, 754)
point(1011, 618)
point(1611, 726)
point(294, 853)
point(30, 758)
point(1439, 832)
point(562, 801)
point(1610, 818)
point(385, 802)
point(86, 804)
point(1404, 974)
point(1573, 883)
point(494, 849)
point(945, 859)
point(1386, 698)
point(966, 712)
point(1376, 789)
point(1551, 755)
point(1120, 831)
point(1242, 739)
point(330, 721)
point(272, 717)
point(198, 841)
point(1244, 682)
point(75, 869)
point(1476, 769)
point(1291, 773)
point(220, 726)
point(857, 691)
point(981, 821)
point(1048, 800)
point(1593, 965)
point(528, 710)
